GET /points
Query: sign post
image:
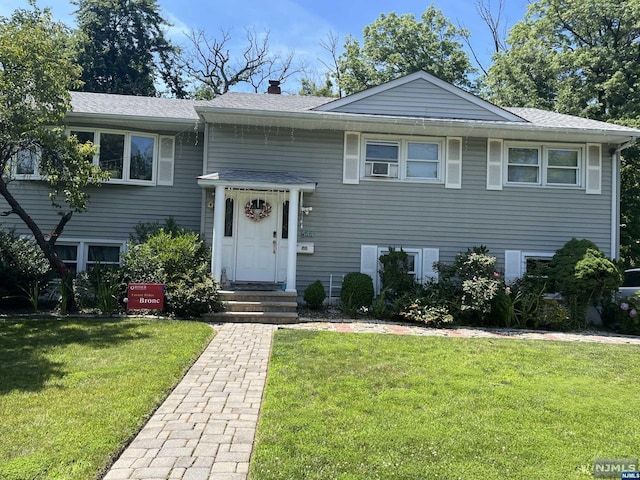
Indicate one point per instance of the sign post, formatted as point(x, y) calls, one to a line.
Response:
point(145, 296)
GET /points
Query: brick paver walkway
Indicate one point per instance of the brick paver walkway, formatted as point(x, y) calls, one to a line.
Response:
point(205, 428)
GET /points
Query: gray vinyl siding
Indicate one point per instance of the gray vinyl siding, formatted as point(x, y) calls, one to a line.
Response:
point(419, 99)
point(114, 210)
point(411, 215)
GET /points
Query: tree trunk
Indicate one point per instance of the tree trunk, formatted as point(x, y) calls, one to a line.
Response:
point(67, 303)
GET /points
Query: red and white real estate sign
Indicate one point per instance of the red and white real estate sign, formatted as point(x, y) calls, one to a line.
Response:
point(145, 296)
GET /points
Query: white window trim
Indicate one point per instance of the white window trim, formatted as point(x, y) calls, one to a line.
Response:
point(83, 248)
point(543, 166)
point(126, 161)
point(403, 142)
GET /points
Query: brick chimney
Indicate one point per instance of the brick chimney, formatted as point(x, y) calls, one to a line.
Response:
point(274, 87)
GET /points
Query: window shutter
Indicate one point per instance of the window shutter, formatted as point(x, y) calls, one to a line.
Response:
point(512, 265)
point(594, 169)
point(351, 167)
point(494, 164)
point(453, 167)
point(165, 161)
point(429, 257)
point(369, 261)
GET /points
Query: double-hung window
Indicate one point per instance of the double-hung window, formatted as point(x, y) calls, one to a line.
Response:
point(128, 157)
point(411, 158)
point(546, 165)
point(523, 165)
point(26, 163)
point(563, 166)
point(423, 160)
point(381, 158)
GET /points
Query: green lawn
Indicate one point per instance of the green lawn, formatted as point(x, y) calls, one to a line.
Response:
point(74, 391)
point(356, 406)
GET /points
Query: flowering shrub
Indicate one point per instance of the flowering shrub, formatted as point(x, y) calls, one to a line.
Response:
point(479, 292)
point(417, 311)
point(623, 315)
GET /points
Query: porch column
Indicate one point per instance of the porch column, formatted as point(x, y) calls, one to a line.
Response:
point(218, 233)
point(292, 241)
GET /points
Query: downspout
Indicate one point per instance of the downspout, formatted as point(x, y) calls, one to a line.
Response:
point(205, 168)
point(615, 205)
point(615, 199)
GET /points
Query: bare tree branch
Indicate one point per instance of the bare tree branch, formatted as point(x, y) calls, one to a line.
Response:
point(496, 28)
point(494, 22)
point(210, 62)
point(466, 38)
point(330, 44)
point(278, 67)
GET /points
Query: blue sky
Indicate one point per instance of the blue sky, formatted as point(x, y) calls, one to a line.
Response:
point(299, 25)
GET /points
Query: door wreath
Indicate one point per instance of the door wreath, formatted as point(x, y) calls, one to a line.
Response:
point(257, 209)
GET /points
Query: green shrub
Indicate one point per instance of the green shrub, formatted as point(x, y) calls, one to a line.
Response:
point(357, 292)
point(473, 283)
point(419, 311)
point(144, 230)
point(583, 276)
point(102, 287)
point(24, 270)
point(191, 296)
point(314, 295)
point(379, 308)
point(517, 305)
point(180, 261)
point(394, 274)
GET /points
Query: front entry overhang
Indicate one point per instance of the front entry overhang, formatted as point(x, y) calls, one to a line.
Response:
point(259, 181)
point(256, 179)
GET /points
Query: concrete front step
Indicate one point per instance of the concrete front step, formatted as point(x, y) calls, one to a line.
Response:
point(235, 306)
point(253, 317)
point(258, 296)
point(253, 306)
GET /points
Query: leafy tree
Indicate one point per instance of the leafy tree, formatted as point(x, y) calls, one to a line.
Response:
point(36, 65)
point(309, 87)
point(579, 58)
point(122, 48)
point(573, 57)
point(396, 45)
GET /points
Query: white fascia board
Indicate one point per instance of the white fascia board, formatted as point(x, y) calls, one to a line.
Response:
point(312, 120)
point(421, 75)
point(73, 118)
point(205, 182)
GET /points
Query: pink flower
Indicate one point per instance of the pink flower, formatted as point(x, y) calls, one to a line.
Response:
point(508, 290)
point(624, 306)
point(496, 275)
point(633, 313)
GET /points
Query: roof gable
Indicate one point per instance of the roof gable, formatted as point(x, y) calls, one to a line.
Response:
point(420, 95)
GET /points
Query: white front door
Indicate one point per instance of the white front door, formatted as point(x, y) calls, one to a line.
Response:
point(257, 245)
